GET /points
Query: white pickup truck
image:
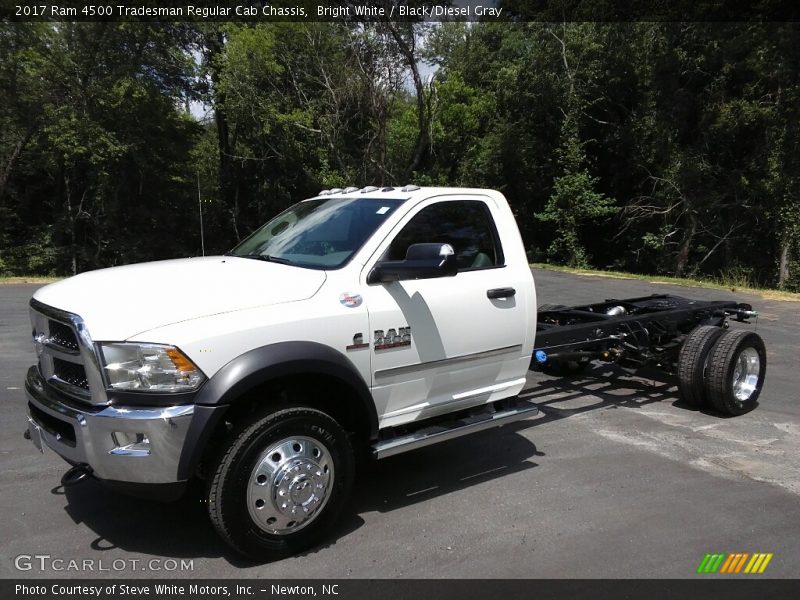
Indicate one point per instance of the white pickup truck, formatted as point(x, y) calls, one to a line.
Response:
point(359, 322)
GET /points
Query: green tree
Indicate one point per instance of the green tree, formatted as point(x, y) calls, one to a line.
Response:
point(574, 200)
point(106, 122)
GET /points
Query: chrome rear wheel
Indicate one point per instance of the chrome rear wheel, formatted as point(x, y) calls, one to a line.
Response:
point(746, 374)
point(735, 372)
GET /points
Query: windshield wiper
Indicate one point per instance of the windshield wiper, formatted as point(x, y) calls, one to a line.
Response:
point(266, 258)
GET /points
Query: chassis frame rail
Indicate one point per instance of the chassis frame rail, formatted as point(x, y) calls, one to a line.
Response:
point(635, 332)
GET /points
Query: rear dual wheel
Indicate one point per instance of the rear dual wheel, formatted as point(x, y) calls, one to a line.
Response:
point(735, 373)
point(692, 361)
point(723, 369)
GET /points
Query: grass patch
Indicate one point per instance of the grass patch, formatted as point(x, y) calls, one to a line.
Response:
point(27, 279)
point(701, 283)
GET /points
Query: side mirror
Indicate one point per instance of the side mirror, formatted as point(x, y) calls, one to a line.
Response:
point(423, 261)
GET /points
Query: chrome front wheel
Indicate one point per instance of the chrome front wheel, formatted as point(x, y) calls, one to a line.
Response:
point(290, 485)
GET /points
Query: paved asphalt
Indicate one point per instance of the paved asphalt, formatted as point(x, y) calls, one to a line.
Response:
point(614, 478)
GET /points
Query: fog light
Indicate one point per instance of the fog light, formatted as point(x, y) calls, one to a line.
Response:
point(132, 444)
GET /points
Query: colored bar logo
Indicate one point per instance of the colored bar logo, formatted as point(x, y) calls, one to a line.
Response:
point(735, 562)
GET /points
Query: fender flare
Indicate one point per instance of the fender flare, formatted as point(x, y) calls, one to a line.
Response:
point(259, 366)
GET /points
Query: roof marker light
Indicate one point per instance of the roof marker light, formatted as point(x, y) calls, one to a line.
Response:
point(410, 188)
point(350, 190)
point(369, 188)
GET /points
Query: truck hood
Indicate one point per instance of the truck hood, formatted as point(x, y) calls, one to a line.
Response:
point(121, 302)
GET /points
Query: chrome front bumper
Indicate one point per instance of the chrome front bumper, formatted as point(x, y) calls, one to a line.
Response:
point(97, 436)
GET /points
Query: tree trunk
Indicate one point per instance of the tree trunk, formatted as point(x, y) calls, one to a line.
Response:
point(215, 45)
point(71, 219)
point(235, 216)
point(423, 128)
point(686, 246)
point(783, 264)
point(223, 147)
point(5, 175)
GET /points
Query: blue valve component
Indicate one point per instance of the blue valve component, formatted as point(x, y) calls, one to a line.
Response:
point(540, 356)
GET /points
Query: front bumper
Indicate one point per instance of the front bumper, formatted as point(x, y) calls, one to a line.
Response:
point(94, 435)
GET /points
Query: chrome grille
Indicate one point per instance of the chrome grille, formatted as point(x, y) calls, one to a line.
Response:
point(63, 336)
point(67, 358)
point(70, 373)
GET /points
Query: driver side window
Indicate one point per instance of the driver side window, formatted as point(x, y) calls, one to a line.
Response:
point(464, 224)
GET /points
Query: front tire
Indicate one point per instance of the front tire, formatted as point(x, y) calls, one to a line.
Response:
point(280, 484)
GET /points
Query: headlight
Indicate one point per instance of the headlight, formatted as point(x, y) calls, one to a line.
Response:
point(149, 368)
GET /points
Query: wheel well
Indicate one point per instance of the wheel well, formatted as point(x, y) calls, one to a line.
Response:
point(325, 393)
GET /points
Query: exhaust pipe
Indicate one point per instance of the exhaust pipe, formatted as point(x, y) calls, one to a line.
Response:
point(76, 475)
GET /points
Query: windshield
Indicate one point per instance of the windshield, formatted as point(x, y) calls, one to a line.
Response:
point(321, 234)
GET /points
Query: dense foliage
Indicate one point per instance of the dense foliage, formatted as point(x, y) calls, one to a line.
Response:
point(652, 147)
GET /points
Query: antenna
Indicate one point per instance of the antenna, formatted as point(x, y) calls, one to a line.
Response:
point(200, 205)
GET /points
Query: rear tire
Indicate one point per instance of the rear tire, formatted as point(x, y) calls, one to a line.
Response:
point(735, 373)
point(692, 361)
point(279, 485)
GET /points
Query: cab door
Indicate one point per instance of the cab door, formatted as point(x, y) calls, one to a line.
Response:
point(451, 342)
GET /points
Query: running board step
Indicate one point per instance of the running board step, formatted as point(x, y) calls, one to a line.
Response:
point(447, 431)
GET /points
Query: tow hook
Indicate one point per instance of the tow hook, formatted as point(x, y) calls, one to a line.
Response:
point(76, 474)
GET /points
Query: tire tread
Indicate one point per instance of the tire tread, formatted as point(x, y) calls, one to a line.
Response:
point(717, 373)
point(692, 360)
point(239, 441)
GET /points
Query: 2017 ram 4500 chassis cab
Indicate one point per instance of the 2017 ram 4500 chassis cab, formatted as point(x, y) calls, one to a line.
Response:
point(359, 321)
